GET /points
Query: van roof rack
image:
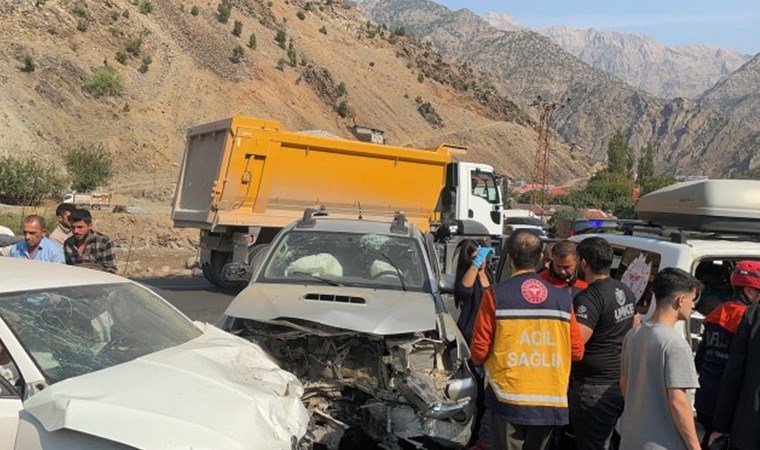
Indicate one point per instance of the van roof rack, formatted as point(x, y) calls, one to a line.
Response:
point(681, 235)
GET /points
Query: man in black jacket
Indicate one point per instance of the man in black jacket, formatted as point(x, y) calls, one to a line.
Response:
point(738, 411)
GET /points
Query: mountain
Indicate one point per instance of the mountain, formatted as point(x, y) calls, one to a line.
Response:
point(665, 72)
point(738, 95)
point(180, 66)
point(690, 137)
point(503, 22)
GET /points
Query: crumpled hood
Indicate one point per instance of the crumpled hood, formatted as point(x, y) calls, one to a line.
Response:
point(216, 391)
point(384, 311)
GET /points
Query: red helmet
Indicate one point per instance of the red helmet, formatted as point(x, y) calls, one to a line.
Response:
point(746, 273)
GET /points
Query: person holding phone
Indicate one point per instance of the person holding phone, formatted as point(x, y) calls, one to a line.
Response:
point(471, 281)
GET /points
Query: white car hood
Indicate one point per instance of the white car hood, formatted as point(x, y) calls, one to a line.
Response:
point(384, 312)
point(216, 391)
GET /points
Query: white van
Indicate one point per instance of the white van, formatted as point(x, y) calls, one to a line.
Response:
point(703, 227)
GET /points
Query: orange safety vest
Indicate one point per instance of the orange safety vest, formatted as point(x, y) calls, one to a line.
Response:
point(528, 366)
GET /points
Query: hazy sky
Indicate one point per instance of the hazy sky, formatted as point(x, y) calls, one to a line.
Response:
point(733, 24)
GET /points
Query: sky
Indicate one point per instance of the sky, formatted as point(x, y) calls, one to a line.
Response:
point(732, 24)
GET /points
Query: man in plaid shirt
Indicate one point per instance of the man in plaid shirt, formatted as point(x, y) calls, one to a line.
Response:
point(86, 246)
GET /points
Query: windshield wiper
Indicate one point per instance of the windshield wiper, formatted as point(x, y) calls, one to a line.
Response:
point(395, 267)
point(316, 277)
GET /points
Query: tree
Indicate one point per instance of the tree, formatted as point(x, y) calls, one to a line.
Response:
point(281, 37)
point(656, 182)
point(619, 156)
point(237, 28)
point(237, 54)
point(292, 56)
point(88, 165)
point(223, 10)
point(252, 41)
point(646, 164)
point(27, 181)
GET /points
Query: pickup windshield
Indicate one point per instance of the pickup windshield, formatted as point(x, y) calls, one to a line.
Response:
point(77, 330)
point(346, 259)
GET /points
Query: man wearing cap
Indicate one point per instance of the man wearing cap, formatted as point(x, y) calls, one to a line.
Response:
point(720, 327)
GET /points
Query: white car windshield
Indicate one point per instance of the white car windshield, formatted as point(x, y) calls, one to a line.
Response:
point(72, 331)
point(347, 259)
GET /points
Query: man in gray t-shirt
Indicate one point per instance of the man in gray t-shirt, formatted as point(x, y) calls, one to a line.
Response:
point(658, 369)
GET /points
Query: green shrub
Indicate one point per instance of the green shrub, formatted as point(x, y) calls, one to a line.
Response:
point(79, 9)
point(194, 10)
point(146, 62)
point(342, 88)
point(343, 109)
point(125, 14)
point(223, 10)
point(237, 54)
point(82, 25)
point(281, 64)
point(292, 56)
point(134, 47)
point(25, 181)
point(323, 30)
point(372, 63)
point(420, 77)
point(146, 7)
point(121, 57)
point(301, 15)
point(252, 41)
point(104, 81)
point(237, 29)
point(269, 4)
point(29, 64)
point(89, 166)
point(281, 37)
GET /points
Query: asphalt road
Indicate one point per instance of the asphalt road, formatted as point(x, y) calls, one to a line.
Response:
point(196, 297)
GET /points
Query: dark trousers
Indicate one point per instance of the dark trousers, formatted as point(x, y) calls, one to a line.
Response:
point(507, 436)
point(594, 411)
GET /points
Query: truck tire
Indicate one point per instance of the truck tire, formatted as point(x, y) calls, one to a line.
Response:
point(213, 271)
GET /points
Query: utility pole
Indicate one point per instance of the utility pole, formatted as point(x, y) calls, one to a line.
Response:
point(541, 166)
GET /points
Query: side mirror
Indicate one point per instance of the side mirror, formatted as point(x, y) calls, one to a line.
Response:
point(446, 283)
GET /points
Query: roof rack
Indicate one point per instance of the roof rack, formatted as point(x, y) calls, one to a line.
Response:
point(680, 235)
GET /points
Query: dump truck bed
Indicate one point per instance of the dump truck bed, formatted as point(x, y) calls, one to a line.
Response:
point(248, 172)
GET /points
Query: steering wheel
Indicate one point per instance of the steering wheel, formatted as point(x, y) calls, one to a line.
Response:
point(385, 273)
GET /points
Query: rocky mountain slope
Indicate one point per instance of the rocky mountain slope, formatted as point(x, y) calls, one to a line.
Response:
point(738, 96)
point(665, 72)
point(690, 138)
point(180, 66)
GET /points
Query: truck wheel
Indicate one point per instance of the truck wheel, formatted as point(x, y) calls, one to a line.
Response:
point(214, 271)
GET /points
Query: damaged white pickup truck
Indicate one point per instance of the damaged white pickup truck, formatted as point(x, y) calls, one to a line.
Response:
point(353, 309)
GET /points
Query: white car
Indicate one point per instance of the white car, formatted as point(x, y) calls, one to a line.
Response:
point(353, 308)
point(92, 360)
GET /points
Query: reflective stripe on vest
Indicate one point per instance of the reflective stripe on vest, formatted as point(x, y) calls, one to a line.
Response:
point(530, 357)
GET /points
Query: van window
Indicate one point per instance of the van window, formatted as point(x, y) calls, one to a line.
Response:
point(637, 269)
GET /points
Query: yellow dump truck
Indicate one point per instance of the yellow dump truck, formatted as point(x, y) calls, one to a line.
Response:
point(243, 179)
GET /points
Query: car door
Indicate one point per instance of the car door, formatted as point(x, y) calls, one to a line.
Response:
point(10, 408)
